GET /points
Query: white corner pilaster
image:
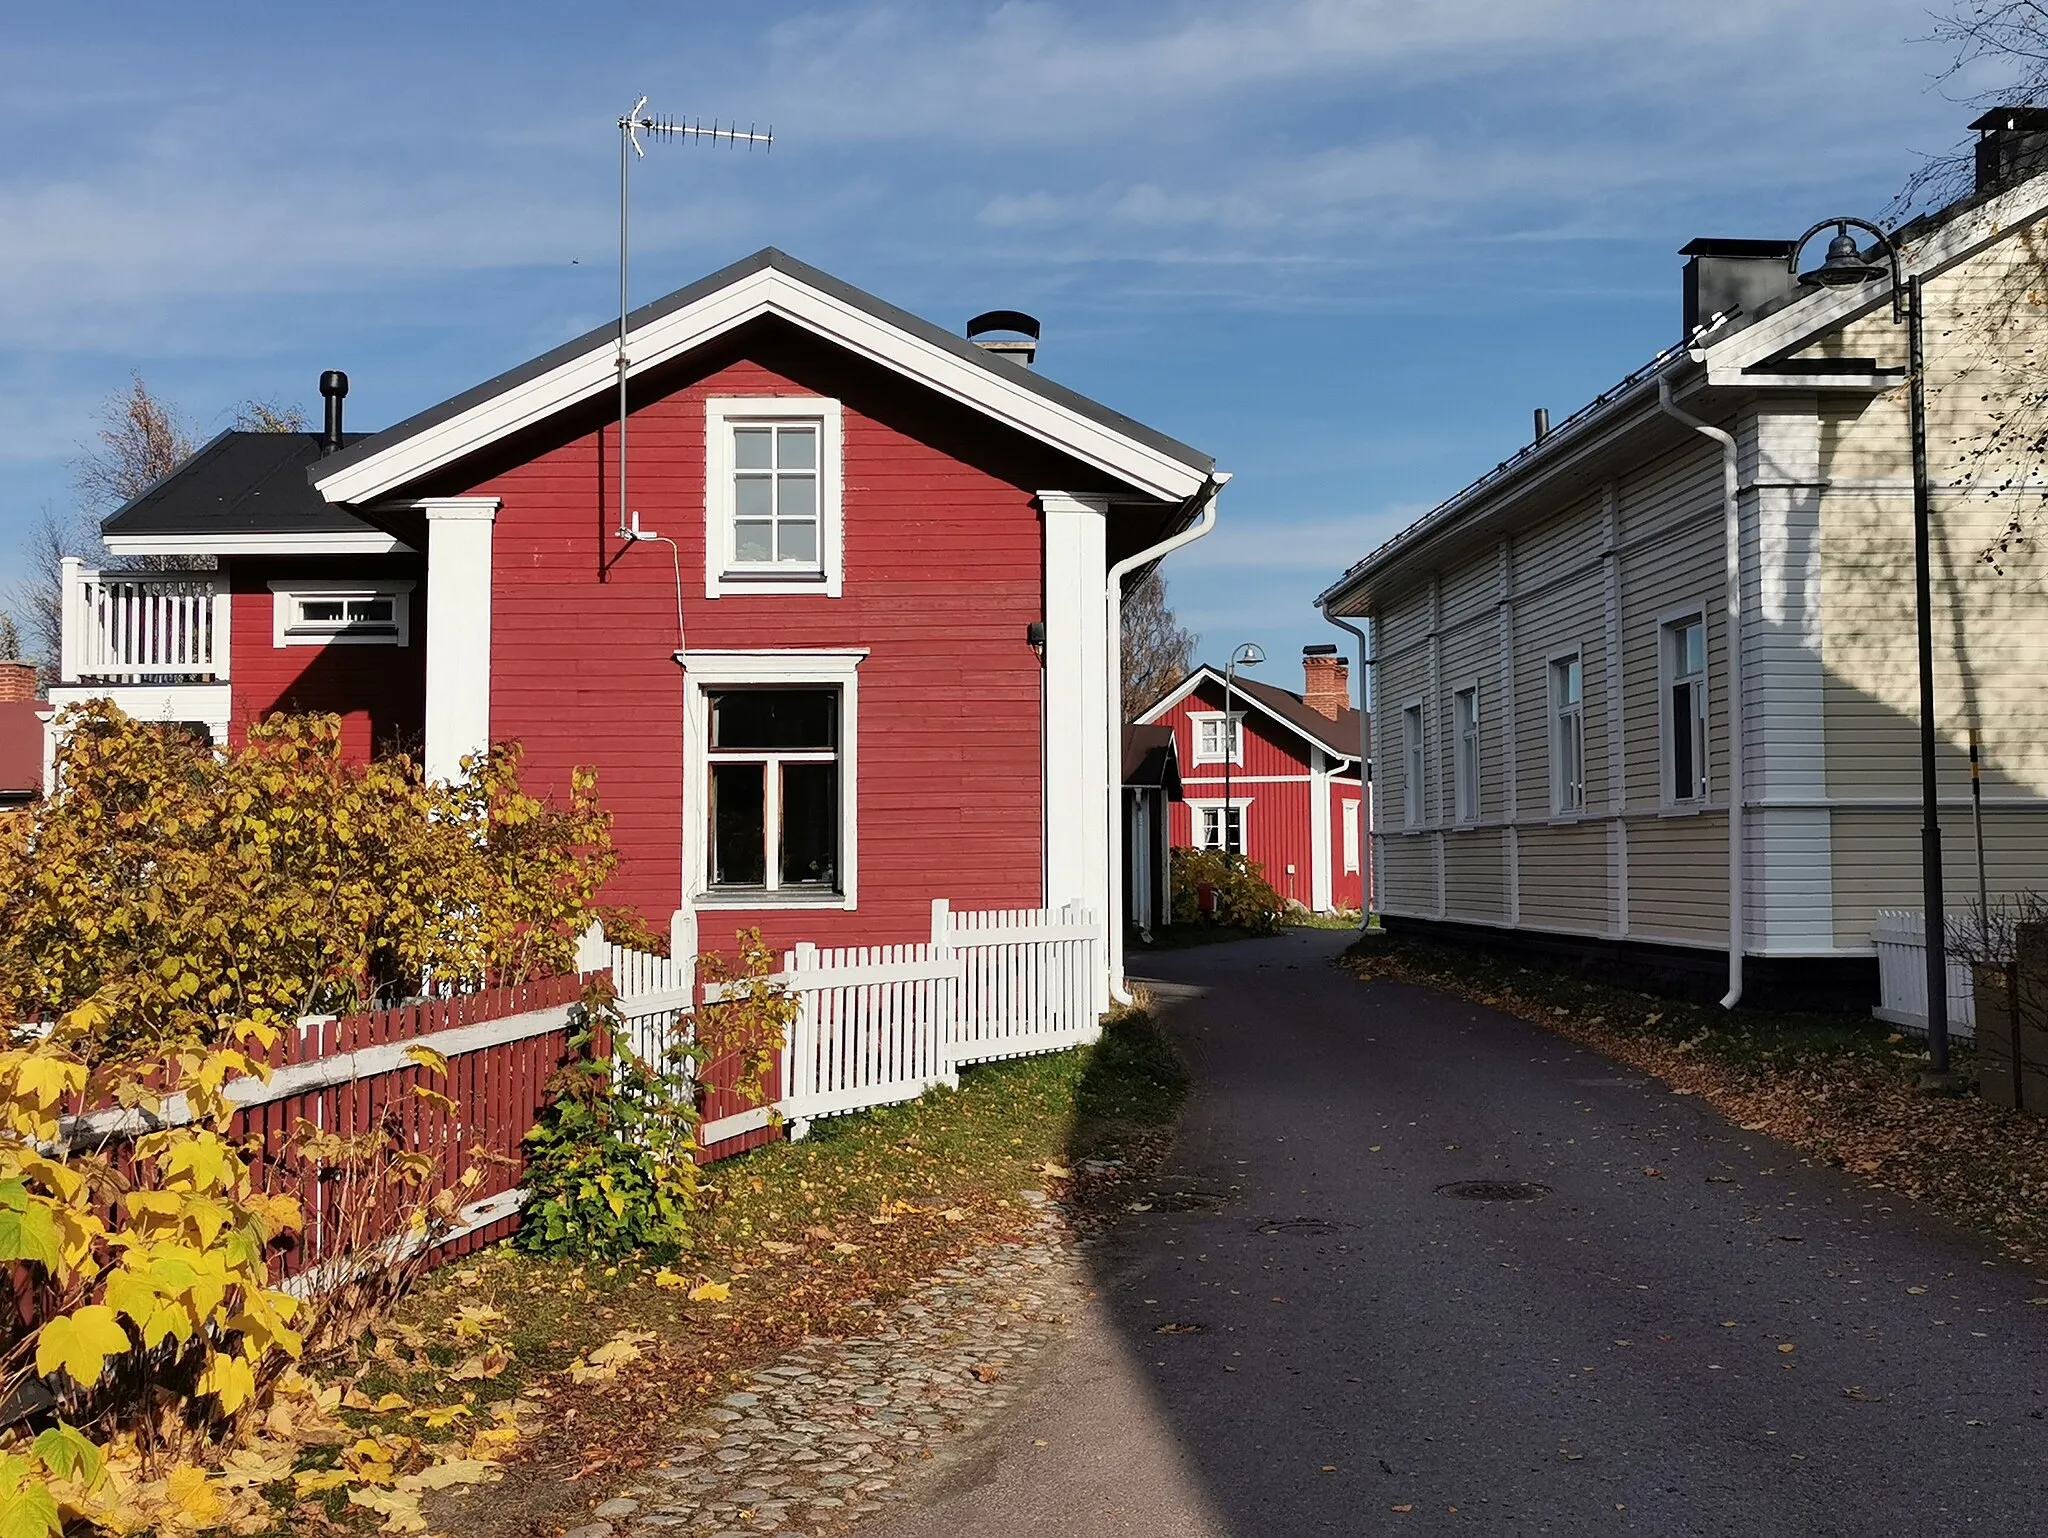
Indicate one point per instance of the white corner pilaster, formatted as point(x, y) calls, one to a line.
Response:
point(1319, 830)
point(1075, 750)
point(1788, 847)
point(458, 630)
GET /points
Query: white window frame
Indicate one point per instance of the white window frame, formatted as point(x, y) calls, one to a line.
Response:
point(1198, 721)
point(287, 629)
point(707, 672)
point(1414, 766)
point(1199, 808)
point(724, 574)
point(1351, 819)
point(1669, 626)
point(1465, 749)
point(1565, 718)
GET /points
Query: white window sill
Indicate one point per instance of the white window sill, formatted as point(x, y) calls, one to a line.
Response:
point(1685, 809)
point(760, 899)
point(1567, 819)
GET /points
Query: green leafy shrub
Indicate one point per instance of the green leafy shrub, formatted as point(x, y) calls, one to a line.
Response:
point(1244, 898)
point(611, 1166)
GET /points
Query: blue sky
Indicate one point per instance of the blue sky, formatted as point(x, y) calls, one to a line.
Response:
point(1344, 245)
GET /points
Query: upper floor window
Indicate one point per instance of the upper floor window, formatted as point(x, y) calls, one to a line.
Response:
point(1567, 735)
point(772, 494)
point(1465, 721)
point(1413, 760)
point(1219, 738)
point(1685, 708)
point(322, 612)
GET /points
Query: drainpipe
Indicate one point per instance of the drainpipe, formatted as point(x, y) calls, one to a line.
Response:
point(1731, 518)
point(1365, 775)
point(1113, 920)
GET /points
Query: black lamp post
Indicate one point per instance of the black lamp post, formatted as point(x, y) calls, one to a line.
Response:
point(1846, 267)
point(1249, 655)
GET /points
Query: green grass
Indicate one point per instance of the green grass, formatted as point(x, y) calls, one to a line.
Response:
point(1180, 937)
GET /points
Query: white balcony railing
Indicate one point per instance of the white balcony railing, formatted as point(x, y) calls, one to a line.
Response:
point(144, 627)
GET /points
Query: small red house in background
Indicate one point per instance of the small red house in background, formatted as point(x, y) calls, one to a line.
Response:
point(865, 560)
point(1295, 802)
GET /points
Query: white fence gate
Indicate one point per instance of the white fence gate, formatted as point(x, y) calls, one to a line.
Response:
point(1901, 940)
point(881, 1024)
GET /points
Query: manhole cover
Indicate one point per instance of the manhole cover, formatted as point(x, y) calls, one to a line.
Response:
point(1301, 1226)
point(1184, 1201)
point(1494, 1190)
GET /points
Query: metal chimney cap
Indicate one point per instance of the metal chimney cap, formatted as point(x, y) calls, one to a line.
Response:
point(1003, 320)
point(333, 384)
point(1324, 649)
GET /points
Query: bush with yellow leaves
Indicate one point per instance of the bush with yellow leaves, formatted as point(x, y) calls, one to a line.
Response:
point(275, 879)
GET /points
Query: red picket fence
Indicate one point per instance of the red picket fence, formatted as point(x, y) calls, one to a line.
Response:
point(497, 1091)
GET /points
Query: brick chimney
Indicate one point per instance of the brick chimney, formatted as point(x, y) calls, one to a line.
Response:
point(1327, 689)
point(17, 682)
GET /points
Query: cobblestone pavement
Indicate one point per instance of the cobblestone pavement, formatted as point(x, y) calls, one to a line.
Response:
point(838, 1429)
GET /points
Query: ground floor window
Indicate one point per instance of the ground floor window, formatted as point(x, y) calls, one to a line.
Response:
point(1220, 827)
point(774, 757)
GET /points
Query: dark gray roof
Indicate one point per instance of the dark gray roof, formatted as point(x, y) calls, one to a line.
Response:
point(1339, 735)
point(1151, 760)
point(824, 282)
point(240, 483)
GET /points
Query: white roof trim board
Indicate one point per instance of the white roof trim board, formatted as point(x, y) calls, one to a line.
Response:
point(1189, 684)
point(770, 290)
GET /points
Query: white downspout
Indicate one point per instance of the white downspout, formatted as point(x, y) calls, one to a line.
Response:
point(1113, 920)
point(1731, 517)
point(1367, 798)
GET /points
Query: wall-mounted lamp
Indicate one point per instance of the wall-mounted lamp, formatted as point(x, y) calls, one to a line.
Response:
point(1034, 637)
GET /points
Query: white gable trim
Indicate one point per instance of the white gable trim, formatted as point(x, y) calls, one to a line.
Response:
point(767, 292)
point(338, 542)
point(1800, 325)
point(1238, 696)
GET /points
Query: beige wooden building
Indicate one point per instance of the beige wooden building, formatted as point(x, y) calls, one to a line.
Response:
point(1556, 664)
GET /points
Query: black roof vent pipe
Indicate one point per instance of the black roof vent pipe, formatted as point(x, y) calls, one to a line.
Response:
point(334, 388)
point(1542, 423)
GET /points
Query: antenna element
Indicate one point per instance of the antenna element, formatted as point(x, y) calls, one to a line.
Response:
point(631, 127)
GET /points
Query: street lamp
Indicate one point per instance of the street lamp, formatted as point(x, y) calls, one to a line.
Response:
point(1846, 267)
point(1249, 655)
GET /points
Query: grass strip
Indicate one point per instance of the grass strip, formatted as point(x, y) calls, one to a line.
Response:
point(795, 1240)
point(1841, 1090)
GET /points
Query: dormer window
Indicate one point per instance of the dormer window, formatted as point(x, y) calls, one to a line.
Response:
point(772, 495)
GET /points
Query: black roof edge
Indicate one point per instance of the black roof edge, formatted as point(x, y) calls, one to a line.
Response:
point(725, 277)
point(1714, 246)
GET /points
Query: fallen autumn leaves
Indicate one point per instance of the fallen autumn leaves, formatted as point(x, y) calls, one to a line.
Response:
point(1844, 1091)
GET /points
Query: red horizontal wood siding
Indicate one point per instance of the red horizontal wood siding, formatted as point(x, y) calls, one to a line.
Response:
point(943, 573)
point(378, 691)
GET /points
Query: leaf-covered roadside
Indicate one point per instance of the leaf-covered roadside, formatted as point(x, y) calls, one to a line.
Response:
point(1839, 1089)
point(794, 1240)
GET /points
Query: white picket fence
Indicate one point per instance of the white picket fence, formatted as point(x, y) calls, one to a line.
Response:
point(880, 1024)
point(1900, 937)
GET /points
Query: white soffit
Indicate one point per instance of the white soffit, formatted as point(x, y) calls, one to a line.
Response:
point(773, 293)
point(338, 542)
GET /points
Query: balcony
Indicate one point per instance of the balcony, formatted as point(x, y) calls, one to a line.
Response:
point(156, 643)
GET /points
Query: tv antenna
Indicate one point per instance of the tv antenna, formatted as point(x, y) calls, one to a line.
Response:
point(631, 127)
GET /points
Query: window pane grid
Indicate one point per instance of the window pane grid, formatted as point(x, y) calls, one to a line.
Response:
point(775, 495)
point(1568, 735)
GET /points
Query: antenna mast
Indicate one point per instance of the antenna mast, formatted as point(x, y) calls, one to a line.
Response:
point(631, 127)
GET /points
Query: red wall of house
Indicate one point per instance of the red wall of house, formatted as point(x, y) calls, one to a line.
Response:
point(1279, 827)
point(943, 573)
point(378, 691)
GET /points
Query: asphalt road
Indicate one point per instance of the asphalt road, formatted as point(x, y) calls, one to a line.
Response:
point(1694, 1332)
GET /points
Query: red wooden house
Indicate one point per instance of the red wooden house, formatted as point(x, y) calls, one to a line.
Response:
point(1293, 801)
point(862, 563)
